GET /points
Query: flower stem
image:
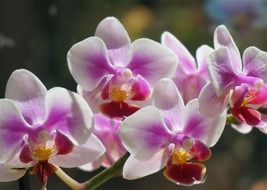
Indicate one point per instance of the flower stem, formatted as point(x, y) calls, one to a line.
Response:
point(107, 174)
point(68, 180)
point(24, 182)
point(231, 120)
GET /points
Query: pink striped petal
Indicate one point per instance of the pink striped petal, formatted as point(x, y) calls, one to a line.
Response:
point(80, 155)
point(13, 127)
point(144, 133)
point(89, 63)
point(255, 63)
point(210, 104)
point(152, 60)
point(186, 60)
point(134, 168)
point(24, 88)
point(116, 39)
point(222, 38)
point(202, 56)
point(68, 113)
point(205, 129)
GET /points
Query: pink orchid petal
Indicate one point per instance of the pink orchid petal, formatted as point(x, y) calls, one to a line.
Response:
point(88, 63)
point(134, 168)
point(144, 133)
point(93, 98)
point(238, 95)
point(202, 56)
point(25, 154)
point(260, 96)
point(201, 151)
point(81, 154)
point(186, 60)
point(190, 86)
point(10, 174)
point(167, 98)
point(92, 165)
point(140, 89)
point(152, 60)
point(68, 113)
point(222, 38)
point(247, 115)
point(116, 39)
point(242, 128)
point(186, 174)
point(222, 73)
point(107, 130)
point(206, 129)
point(118, 109)
point(255, 63)
point(24, 88)
point(13, 127)
point(63, 144)
point(14, 168)
point(210, 104)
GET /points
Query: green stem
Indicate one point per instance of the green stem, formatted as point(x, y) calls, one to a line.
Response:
point(231, 120)
point(107, 174)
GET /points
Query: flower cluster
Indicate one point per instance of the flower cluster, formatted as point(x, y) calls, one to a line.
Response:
point(153, 100)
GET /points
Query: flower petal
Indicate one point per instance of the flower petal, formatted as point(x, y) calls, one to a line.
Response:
point(247, 115)
point(191, 88)
point(201, 151)
point(210, 104)
point(92, 165)
point(255, 63)
point(206, 129)
point(93, 98)
point(152, 60)
point(24, 88)
point(134, 168)
point(167, 98)
point(68, 113)
point(186, 60)
point(141, 89)
point(117, 40)
point(88, 62)
point(186, 174)
point(81, 154)
point(222, 73)
point(118, 109)
point(222, 38)
point(63, 144)
point(242, 128)
point(144, 133)
point(10, 174)
point(12, 129)
point(107, 130)
point(202, 56)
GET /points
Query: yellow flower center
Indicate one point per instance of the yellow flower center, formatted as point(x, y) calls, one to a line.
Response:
point(43, 153)
point(181, 156)
point(250, 96)
point(118, 95)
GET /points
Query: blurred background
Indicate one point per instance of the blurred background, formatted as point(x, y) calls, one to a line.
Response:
point(36, 35)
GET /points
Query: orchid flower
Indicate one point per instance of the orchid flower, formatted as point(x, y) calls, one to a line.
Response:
point(194, 73)
point(169, 135)
point(113, 74)
point(107, 130)
point(43, 129)
point(232, 82)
